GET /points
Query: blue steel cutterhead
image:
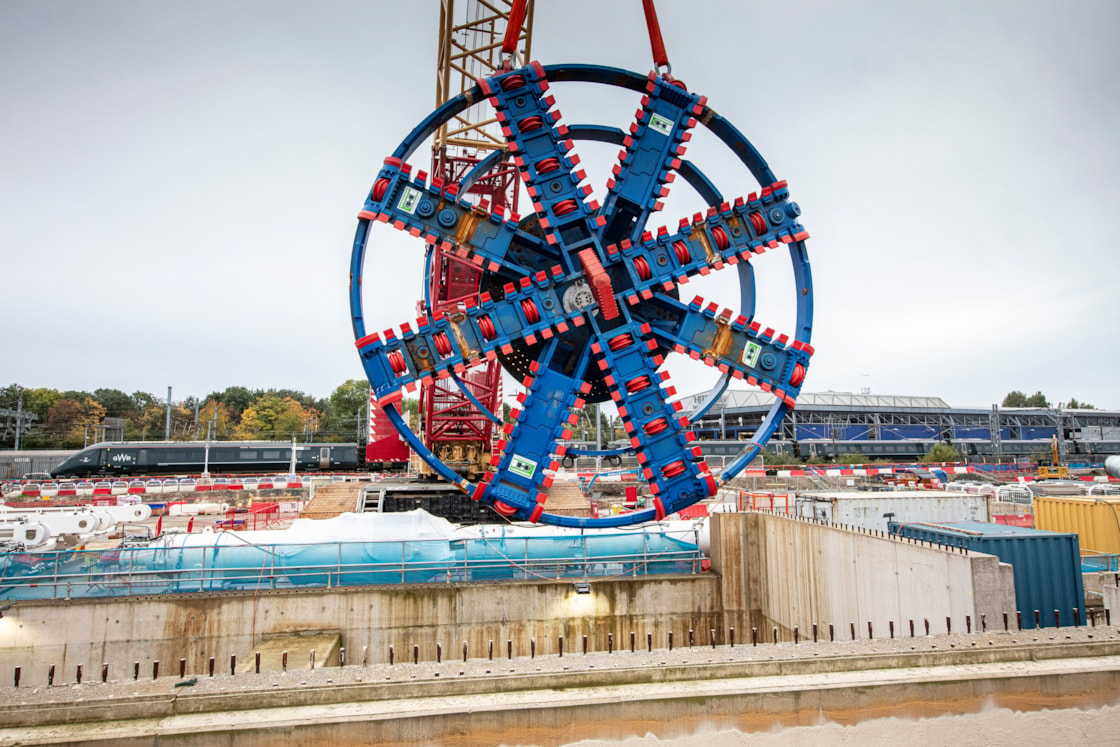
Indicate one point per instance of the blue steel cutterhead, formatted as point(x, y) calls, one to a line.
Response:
point(581, 301)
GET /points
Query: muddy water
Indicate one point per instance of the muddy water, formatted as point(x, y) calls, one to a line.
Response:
point(992, 726)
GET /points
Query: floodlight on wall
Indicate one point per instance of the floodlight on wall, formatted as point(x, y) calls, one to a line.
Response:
point(582, 587)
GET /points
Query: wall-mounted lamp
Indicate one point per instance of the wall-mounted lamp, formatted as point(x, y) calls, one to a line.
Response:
point(582, 587)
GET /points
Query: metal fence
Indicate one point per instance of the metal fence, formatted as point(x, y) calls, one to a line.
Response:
point(1098, 562)
point(15, 464)
point(176, 570)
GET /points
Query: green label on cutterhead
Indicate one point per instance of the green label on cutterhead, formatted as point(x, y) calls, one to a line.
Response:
point(410, 198)
point(522, 466)
point(660, 124)
point(751, 353)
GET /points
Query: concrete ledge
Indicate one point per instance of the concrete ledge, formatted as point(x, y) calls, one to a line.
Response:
point(556, 710)
point(333, 686)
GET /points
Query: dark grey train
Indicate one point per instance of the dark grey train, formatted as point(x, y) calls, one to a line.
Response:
point(229, 457)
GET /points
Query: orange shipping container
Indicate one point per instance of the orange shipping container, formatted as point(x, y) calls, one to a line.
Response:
point(1096, 521)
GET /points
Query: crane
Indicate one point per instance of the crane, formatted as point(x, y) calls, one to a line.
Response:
point(458, 418)
point(456, 415)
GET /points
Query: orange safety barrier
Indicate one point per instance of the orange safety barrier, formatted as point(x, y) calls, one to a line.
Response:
point(766, 501)
point(695, 511)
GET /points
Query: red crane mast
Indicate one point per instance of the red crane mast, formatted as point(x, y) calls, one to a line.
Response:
point(470, 47)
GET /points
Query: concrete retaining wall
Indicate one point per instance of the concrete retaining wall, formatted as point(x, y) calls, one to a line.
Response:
point(771, 571)
point(785, 572)
point(121, 632)
point(1110, 592)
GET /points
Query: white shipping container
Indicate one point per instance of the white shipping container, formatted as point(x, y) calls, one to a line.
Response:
point(194, 509)
point(866, 509)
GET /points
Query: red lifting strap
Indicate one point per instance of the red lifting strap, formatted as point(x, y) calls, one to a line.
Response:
point(513, 26)
point(656, 43)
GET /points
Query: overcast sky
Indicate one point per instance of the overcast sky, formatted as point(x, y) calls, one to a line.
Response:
point(179, 182)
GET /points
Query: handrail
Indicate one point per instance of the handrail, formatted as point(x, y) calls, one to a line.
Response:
point(83, 574)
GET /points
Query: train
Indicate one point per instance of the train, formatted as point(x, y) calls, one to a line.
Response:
point(911, 449)
point(192, 457)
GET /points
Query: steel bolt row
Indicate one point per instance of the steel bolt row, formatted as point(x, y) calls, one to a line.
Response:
point(1092, 617)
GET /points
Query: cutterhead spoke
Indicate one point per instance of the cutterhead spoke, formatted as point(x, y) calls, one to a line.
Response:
point(542, 150)
point(442, 344)
point(677, 474)
point(526, 459)
point(437, 213)
point(737, 346)
point(727, 234)
point(650, 158)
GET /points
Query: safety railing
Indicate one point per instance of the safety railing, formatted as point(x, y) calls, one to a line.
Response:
point(1098, 562)
point(174, 570)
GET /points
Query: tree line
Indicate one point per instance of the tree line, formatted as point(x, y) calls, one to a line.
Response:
point(1015, 398)
point(71, 419)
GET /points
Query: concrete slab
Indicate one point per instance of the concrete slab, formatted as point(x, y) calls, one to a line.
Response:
point(333, 500)
point(298, 647)
point(566, 498)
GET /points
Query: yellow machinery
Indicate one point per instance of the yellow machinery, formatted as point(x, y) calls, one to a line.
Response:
point(1055, 470)
point(1060, 472)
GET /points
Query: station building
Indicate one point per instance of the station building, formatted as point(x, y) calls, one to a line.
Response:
point(880, 426)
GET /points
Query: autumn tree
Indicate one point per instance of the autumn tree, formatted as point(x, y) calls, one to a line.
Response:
point(249, 427)
point(117, 404)
point(72, 421)
point(140, 400)
point(182, 422)
point(219, 427)
point(235, 398)
point(345, 406)
point(40, 401)
point(306, 401)
point(149, 424)
point(292, 418)
point(272, 417)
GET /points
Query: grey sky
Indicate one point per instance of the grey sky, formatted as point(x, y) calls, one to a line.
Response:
point(178, 182)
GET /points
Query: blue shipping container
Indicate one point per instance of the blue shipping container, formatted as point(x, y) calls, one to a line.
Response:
point(1047, 564)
